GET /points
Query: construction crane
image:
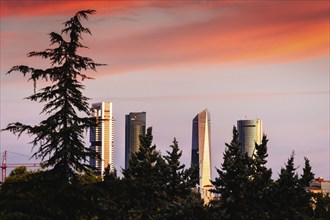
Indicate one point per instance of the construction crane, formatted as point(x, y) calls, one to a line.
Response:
point(4, 165)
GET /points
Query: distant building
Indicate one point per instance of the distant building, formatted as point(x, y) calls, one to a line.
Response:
point(319, 185)
point(101, 137)
point(250, 133)
point(135, 125)
point(201, 152)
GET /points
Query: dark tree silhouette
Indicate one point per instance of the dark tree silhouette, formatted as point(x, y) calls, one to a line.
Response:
point(307, 175)
point(233, 180)
point(146, 181)
point(290, 200)
point(182, 201)
point(175, 173)
point(59, 138)
point(260, 184)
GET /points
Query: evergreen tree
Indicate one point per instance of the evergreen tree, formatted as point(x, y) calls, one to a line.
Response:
point(59, 138)
point(290, 200)
point(88, 177)
point(41, 195)
point(322, 206)
point(146, 181)
point(307, 175)
point(232, 182)
point(259, 188)
point(109, 175)
point(176, 184)
point(183, 202)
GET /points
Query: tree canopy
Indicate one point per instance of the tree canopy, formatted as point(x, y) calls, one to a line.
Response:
point(59, 138)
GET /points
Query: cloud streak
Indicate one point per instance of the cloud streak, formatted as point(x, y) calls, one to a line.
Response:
point(24, 8)
point(162, 35)
point(213, 96)
point(242, 34)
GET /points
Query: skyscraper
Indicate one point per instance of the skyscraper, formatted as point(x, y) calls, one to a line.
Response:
point(101, 136)
point(250, 133)
point(135, 126)
point(201, 151)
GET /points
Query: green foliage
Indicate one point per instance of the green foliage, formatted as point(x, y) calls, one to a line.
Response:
point(260, 184)
point(307, 175)
point(233, 181)
point(182, 202)
point(109, 175)
point(59, 138)
point(88, 177)
point(146, 179)
point(321, 206)
point(247, 191)
point(43, 195)
point(179, 182)
point(20, 173)
point(160, 187)
point(290, 200)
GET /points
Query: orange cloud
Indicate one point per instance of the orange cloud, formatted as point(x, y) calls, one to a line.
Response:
point(199, 33)
point(32, 8)
point(268, 33)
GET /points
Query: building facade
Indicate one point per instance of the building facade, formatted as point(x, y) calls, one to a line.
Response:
point(101, 137)
point(319, 185)
point(135, 125)
point(250, 133)
point(201, 152)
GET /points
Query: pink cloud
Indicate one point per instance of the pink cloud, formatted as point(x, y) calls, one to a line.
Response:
point(215, 96)
point(268, 34)
point(32, 8)
point(252, 32)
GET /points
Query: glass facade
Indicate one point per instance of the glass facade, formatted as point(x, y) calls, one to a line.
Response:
point(194, 152)
point(250, 133)
point(201, 151)
point(101, 136)
point(135, 125)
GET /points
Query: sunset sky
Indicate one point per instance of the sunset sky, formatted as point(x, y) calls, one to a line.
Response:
point(265, 60)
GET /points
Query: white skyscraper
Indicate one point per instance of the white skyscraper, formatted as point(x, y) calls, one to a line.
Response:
point(101, 137)
point(250, 133)
point(201, 152)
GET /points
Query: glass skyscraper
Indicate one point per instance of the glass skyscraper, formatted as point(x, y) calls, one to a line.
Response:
point(201, 152)
point(135, 125)
point(250, 133)
point(101, 137)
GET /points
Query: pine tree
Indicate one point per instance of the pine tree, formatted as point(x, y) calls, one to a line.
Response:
point(322, 206)
point(290, 199)
point(146, 180)
point(307, 175)
point(304, 181)
point(259, 199)
point(233, 180)
point(59, 138)
point(176, 184)
point(109, 175)
point(183, 203)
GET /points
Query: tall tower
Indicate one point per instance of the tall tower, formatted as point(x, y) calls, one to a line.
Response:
point(135, 126)
point(101, 136)
point(201, 151)
point(250, 133)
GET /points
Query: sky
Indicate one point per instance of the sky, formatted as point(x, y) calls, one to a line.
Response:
point(265, 60)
